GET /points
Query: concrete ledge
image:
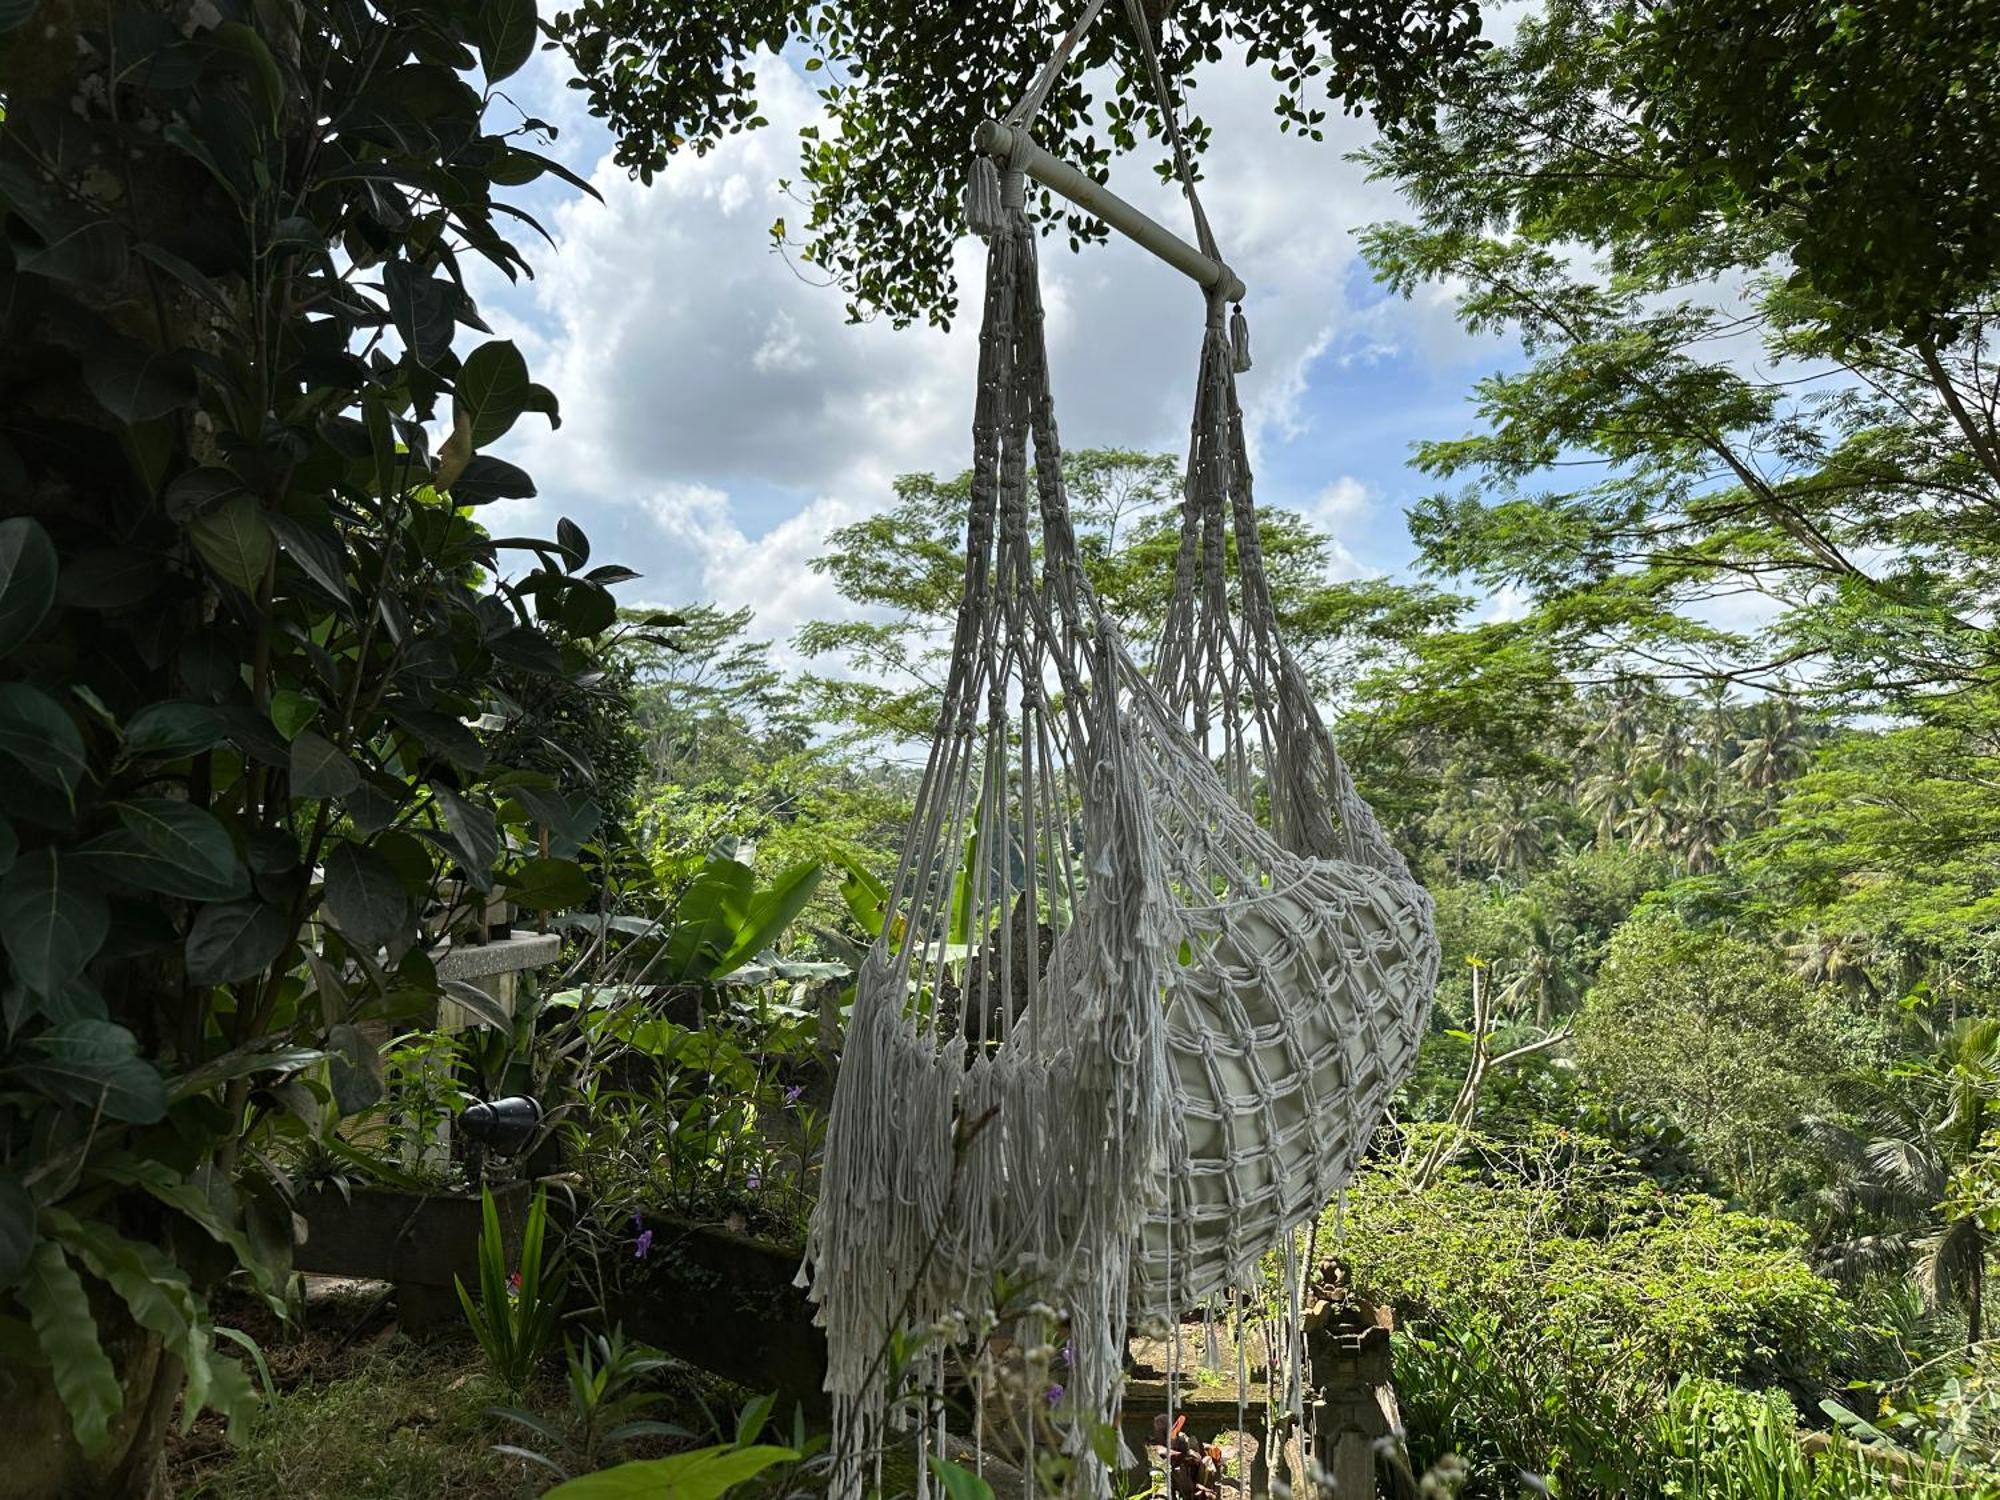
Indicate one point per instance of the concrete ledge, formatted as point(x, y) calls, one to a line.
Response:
point(508, 955)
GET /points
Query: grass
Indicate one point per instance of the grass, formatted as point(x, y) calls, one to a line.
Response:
point(400, 1420)
point(363, 1411)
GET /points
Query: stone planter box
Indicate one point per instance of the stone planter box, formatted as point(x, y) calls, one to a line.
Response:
point(420, 1242)
point(726, 1302)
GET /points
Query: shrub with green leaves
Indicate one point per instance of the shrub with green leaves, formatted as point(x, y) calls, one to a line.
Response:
point(1550, 1294)
point(248, 619)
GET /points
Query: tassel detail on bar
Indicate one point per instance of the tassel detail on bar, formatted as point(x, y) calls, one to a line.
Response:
point(1239, 339)
point(982, 197)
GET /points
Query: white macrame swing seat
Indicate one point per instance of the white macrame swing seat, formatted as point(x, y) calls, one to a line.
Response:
point(1116, 1040)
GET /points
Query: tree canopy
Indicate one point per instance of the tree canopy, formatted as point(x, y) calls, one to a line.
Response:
point(906, 82)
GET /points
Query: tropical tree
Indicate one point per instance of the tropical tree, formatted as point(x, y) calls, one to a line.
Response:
point(1850, 478)
point(1906, 1159)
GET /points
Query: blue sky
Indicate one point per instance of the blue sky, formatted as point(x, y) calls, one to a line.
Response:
point(721, 416)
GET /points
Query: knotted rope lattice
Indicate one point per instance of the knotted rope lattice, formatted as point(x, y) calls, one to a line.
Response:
point(1116, 1039)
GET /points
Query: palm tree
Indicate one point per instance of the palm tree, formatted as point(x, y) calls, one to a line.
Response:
point(1544, 975)
point(1837, 959)
point(1779, 747)
point(1908, 1141)
point(1704, 821)
point(1515, 835)
point(1649, 818)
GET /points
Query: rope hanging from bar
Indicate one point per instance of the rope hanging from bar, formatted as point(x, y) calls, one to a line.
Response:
point(1115, 1040)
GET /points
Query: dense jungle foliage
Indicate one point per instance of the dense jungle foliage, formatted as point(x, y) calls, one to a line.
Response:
point(1694, 1190)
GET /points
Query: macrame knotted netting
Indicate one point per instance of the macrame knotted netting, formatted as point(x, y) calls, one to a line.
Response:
point(1116, 1039)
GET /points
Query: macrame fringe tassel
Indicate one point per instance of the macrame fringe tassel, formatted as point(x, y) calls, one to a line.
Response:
point(1239, 340)
point(982, 197)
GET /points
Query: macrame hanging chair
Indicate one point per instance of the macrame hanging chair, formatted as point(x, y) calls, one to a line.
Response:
point(1117, 1037)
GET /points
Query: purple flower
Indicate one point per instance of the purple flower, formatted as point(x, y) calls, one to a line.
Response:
point(1068, 1352)
point(1055, 1394)
point(754, 1181)
point(642, 1245)
point(793, 1093)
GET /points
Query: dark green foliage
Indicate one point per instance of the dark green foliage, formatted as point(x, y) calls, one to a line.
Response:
point(1848, 481)
point(909, 80)
point(247, 618)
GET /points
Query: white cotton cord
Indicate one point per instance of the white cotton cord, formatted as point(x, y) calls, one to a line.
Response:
point(1239, 341)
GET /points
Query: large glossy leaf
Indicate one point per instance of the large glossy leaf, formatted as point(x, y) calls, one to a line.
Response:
point(235, 540)
point(485, 1009)
point(442, 733)
point(59, 1309)
point(486, 479)
point(770, 912)
point(27, 579)
point(136, 383)
point(52, 919)
point(170, 847)
point(505, 34)
point(172, 730)
point(97, 1065)
point(321, 768)
point(236, 941)
point(317, 552)
point(421, 306)
point(14, 13)
point(10, 846)
point(549, 885)
point(474, 834)
point(704, 1474)
point(39, 737)
point(364, 894)
point(492, 390)
point(355, 1071)
point(109, 578)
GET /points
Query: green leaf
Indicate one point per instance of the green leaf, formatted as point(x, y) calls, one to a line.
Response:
point(10, 846)
point(237, 941)
point(320, 768)
point(185, 1197)
point(442, 733)
point(27, 579)
point(770, 912)
point(316, 550)
point(421, 306)
point(505, 36)
point(474, 833)
point(109, 578)
point(355, 1072)
point(243, 1062)
point(492, 390)
point(39, 737)
point(291, 711)
point(136, 383)
point(17, 1230)
point(704, 1474)
point(174, 729)
point(364, 894)
point(235, 540)
point(52, 920)
point(960, 1483)
point(170, 847)
point(97, 1064)
point(549, 885)
point(59, 1309)
point(485, 1009)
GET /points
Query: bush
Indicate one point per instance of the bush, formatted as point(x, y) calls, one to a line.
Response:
point(1552, 1294)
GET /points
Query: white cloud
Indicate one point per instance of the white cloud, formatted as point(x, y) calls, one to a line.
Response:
point(721, 415)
